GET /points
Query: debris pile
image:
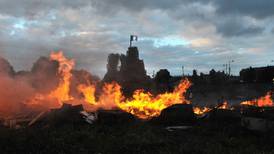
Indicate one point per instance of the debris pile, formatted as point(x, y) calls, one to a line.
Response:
point(178, 114)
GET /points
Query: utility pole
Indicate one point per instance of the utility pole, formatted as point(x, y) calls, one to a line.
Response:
point(225, 68)
point(229, 66)
point(183, 71)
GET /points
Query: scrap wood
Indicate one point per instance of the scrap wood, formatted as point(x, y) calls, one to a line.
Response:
point(38, 117)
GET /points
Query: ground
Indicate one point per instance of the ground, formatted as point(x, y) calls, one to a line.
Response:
point(138, 137)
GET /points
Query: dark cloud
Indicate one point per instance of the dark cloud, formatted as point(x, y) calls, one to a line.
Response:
point(254, 8)
point(134, 5)
point(237, 27)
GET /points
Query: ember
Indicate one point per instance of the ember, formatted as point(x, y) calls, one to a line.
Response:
point(201, 111)
point(224, 105)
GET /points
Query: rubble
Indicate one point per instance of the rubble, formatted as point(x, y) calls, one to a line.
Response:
point(222, 115)
point(174, 128)
point(67, 114)
point(112, 117)
point(19, 120)
point(258, 118)
point(257, 124)
point(178, 114)
point(89, 117)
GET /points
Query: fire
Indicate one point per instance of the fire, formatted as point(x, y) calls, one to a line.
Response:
point(224, 105)
point(88, 92)
point(110, 97)
point(65, 66)
point(200, 111)
point(61, 94)
point(144, 105)
point(265, 101)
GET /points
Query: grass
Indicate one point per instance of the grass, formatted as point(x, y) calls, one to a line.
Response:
point(133, 138)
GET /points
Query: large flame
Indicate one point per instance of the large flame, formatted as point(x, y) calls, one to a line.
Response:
point(65, 66)
point(265, 101)
point(88, 92)
point(144, 105)
point(61, 94)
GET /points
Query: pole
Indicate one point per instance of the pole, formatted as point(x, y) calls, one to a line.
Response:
point(130, 41)
point(226, 69)
point(229, 68)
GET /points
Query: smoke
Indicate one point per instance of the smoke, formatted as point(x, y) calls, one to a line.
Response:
point(19, 89)
point(12, 92)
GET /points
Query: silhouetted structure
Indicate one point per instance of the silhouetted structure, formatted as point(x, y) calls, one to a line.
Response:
point(259, 74)
point(217, 77)
point(214, 77)
point(112, 68)
point(162, 80)
point(132, 68)
point(6, 68)
point(131, 73)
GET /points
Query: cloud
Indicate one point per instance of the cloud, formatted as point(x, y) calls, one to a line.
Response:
point(238, 27)
point(34, 8)
point(198, 34)
point(254, 8)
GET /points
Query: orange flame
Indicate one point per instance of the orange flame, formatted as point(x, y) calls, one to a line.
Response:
point(145, 106)
point(88, 91)
point(110, 96)
point(224, 105)
point(61, 94)
point(265, 101)
point(201, 111)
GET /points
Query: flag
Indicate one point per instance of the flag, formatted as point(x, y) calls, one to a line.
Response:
point(133, 38)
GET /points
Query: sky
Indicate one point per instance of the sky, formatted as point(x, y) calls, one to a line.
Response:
point(196, 34)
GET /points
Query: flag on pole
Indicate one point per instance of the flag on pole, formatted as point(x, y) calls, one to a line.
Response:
point(133, 38)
